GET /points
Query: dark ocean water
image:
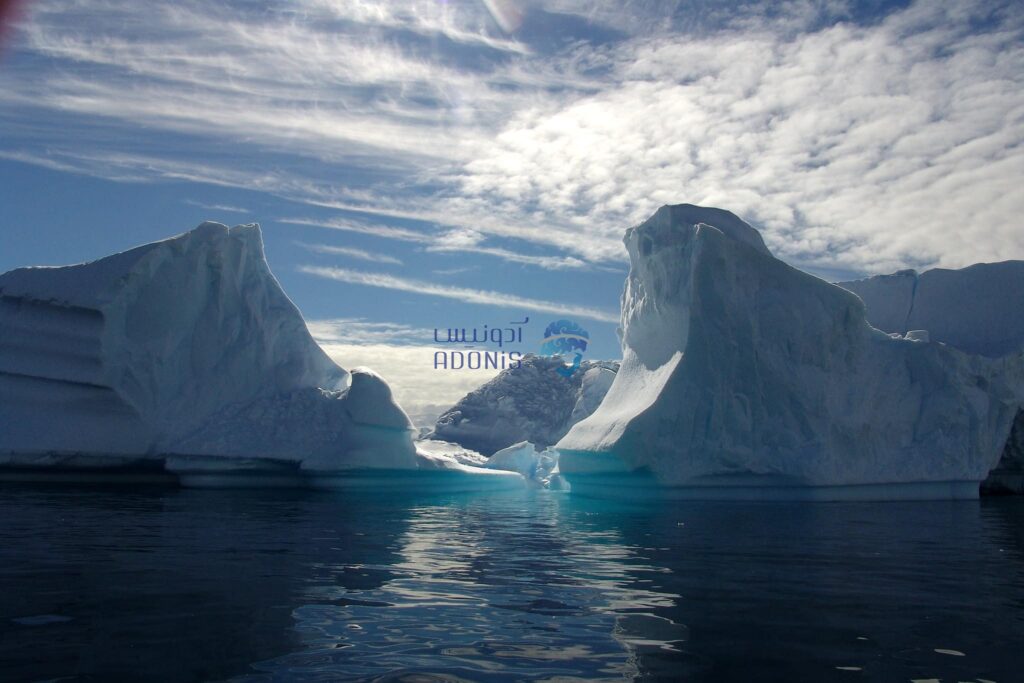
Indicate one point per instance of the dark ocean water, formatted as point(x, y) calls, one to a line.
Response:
point(165, 584)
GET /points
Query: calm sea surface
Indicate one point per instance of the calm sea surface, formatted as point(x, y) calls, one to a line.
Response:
point(107, 584)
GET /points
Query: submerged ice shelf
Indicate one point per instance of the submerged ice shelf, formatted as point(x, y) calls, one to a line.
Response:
point(744, 377)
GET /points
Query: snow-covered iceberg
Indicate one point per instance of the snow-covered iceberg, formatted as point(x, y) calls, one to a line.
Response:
point(532, 402)
point(186, 351)
point(744, 377)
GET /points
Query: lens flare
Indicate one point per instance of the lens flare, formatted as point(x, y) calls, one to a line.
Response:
point(507, 13)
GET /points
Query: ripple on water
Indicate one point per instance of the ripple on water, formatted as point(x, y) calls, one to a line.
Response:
point(530, 586)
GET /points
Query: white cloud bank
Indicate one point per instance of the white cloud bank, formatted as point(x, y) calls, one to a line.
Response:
point(402, 355)
point(869, 147)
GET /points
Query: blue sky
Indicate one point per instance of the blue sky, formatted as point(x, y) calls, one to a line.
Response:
point(433, 164)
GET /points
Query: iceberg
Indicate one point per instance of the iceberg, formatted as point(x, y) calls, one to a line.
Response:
point(532, 402)
point(743, 377)
point(976, 309)
point(539, 467)
point(186, 352)
point(449, 468)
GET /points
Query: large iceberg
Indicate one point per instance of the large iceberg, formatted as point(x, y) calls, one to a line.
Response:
point(531, 402)
point(745, 377)
point(186, 351)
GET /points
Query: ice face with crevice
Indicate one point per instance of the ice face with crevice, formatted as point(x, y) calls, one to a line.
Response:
point(741, 373)
point(975, 309)
point(184, 346)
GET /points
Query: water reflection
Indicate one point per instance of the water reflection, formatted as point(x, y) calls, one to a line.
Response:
point(506, 588)
point(522, 586)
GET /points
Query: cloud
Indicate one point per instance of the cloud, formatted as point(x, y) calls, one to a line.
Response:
point(363, 331)
point(477, 215)
point(459, 22)
point(457, 240)
point(465, 240)
point(548, 262)
point(864, 143)
point(864, 147)
point(351, 252)
point(454, 271)
point(217, 207)
point(460, 238)
point(424, 392)
point(402, 354)
point(378, 230)
point(463, 294)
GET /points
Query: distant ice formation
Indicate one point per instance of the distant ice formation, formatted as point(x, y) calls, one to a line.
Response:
point(744, 377)
point(186, 351)
point(533, 402)
point(977, 309)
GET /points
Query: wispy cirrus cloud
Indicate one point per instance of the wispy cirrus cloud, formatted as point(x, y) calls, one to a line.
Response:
point(465, 23)
point(549, 262)
point(217, 207)
point(458, 270)
point(363, 331)
point(458, 240)
point(466, 241)
point(462, 294)
point(351, 252)
point(347, 225)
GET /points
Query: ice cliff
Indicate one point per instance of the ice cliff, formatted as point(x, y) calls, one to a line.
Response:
point(184, 346)
point(976, 309)
point(531, 402)
point(742, 376)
